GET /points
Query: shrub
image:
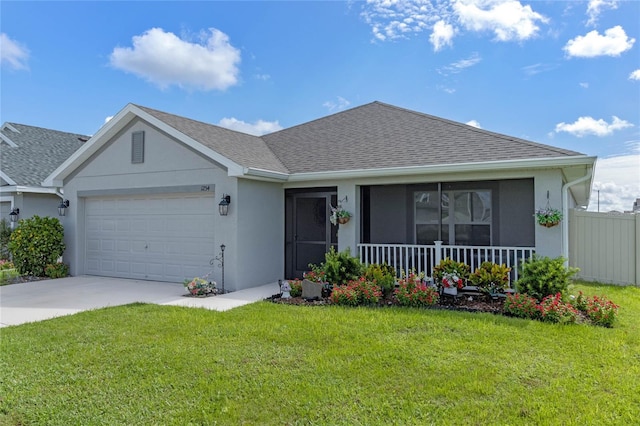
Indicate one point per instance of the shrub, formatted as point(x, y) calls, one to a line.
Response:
point(56, 270)
point(357, 292)
point(521, 306)
point(296, 287)
point(491, 278)
point(37, 242)
point(553, 309)
point(451, 267)
point(339, 267)
point(542, 276)
point(598, 309)
point(344, 295)
point(412, 291)
point(5, 235)
point(383, 275)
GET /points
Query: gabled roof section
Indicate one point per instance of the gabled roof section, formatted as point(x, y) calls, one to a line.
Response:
point(246, 150)
point(30, 153)
point(382, 136)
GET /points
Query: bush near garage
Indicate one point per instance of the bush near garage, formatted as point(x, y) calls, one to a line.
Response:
point(36, 243)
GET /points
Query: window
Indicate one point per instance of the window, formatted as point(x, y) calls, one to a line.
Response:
point(137, 147)
point(461, 217)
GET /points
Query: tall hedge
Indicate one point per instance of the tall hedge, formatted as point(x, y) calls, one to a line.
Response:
point(35, 243)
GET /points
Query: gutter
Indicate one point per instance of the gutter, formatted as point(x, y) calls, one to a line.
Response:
point(565, 213)
point(537, 163)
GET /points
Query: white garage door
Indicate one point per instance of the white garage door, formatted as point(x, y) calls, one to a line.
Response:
point(150, 237)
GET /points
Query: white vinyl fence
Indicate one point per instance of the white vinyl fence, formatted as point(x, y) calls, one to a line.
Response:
point(605, 246)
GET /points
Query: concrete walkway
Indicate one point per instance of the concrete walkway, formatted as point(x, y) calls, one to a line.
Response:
point(40, 300)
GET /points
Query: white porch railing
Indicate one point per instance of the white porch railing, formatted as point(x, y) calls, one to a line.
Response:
point(422, 258)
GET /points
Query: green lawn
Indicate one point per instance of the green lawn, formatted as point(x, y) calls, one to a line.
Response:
point(279, 364)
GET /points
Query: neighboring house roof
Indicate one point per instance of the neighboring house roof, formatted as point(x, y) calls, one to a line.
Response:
point(379, 136)
point(29, 154)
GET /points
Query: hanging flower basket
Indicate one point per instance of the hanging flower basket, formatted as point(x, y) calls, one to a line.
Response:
point(343, 220)
point(548, 217)
point(339, 215)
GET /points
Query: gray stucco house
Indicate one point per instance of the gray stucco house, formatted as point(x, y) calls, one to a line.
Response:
point(144, 193)
point(28, 155)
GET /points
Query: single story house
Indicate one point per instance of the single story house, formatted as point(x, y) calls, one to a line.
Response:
point(145, 193)
point(28, 155)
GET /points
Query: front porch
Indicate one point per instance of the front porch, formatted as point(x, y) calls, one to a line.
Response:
point(422, 258)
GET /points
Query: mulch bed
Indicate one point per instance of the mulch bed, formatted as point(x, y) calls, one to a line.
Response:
point(447, 303)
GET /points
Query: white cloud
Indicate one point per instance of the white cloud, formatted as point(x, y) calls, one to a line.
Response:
point(108, 119)
point(393, 19)
point(258, 128)
point(507, 19)
point(460, 65)
point(13, 53)
point(584, 85)
point(584, 126)
point(442, 35)
point(614, 42)
point(340, 104)
point(474, 123)
point(635, 75)
point(263, 77)
point(164, 59)
point(596, 7)
point(618, 180)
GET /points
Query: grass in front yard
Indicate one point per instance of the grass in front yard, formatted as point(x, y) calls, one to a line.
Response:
point(278, 364)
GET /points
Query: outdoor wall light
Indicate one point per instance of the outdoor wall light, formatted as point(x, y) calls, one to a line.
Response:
point(14, 215)
point(223, 207)
point(62, 207)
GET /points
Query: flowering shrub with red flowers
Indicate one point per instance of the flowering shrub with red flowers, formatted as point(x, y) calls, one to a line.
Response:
point(598, 309)
point(344, 295)
point(412, 291)
point(521, 305)
point(357, 292)
point(553, 309)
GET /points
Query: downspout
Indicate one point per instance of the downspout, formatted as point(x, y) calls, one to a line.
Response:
point(565, 214)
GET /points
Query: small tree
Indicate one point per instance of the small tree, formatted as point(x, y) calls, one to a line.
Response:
point(36, 243)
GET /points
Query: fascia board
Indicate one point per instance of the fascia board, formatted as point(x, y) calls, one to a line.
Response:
point(27, 189)
point(534, 163)
point(266, 174)
point(6, 178)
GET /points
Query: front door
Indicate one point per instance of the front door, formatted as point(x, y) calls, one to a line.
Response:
point(309, 233)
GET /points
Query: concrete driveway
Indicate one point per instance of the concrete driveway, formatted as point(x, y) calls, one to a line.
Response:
point(40, 300)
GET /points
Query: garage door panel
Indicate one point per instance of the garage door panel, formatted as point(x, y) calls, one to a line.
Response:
point(165, 238)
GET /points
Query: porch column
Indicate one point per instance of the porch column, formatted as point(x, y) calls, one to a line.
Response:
point(349, 233)
point(548, 240)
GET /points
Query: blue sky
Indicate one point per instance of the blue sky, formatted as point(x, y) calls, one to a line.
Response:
point(560, 73)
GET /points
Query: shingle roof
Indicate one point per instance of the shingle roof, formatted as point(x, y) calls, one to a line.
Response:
point(379, 135)
point(245, 150)
point(38, 153)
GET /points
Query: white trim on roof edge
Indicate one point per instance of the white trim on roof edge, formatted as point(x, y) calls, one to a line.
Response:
point(6, 178)
point(28, 189)
point(117, 123)
point(533, 163)
point(5, 138)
